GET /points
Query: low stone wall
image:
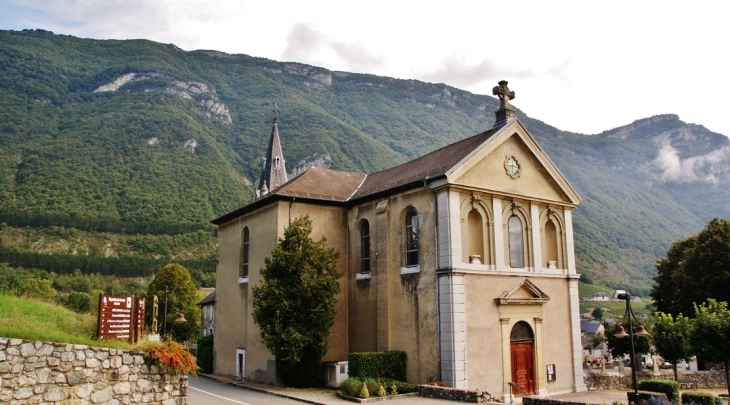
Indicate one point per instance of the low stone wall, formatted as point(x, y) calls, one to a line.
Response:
point(547, 401)
point(33, 372)
point(455, 394)
point(612, 381)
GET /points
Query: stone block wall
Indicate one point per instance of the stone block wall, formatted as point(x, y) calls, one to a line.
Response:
point(33, 372)
point(455, 394)
point(613, 381)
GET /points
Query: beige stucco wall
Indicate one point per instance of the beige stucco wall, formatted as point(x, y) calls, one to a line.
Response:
point(234, 325)
point(487, 344)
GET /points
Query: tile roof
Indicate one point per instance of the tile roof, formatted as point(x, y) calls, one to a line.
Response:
point(210, 298)
point(322, 184)
point(338, 186)
point(431, 165)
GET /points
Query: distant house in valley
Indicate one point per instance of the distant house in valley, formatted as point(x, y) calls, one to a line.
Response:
point(591, 328)
point(207, 314)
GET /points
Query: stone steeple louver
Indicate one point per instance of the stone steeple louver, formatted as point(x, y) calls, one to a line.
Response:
point(273, 173)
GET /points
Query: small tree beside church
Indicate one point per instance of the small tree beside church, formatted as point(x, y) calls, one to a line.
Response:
point(295, 304)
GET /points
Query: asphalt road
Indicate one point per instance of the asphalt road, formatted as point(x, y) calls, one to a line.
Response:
point(204, 391)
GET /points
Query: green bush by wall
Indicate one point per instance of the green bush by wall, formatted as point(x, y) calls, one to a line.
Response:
point(668, 387)
point(700, 398)
point(390, 364)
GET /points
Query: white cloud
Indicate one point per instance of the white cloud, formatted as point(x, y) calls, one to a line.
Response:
point(710, 168)
point(305, 44)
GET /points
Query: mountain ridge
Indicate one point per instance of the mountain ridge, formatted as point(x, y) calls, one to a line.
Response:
point(184, 144)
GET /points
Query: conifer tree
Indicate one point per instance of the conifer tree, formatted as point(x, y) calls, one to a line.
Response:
point(295, 304)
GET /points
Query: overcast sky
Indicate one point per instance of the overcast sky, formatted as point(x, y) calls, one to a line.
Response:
point(582, 66)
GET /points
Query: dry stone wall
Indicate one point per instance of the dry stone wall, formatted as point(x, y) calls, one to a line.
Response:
point(33, 372)
point(613, 381)
point(455, 394)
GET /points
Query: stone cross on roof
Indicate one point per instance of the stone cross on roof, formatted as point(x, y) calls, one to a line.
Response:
point(505, 112)
point(504, 94)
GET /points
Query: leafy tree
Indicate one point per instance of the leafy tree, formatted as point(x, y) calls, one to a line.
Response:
point(671, 338)
point(597, 339)
point(597, 313)
point(295, 304)
point(181, 298)
point(694, 270)
point(710, 336)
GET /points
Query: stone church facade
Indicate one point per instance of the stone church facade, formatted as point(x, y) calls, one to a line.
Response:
point(463, 258)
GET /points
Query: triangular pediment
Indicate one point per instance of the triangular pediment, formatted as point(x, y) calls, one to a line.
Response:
point(523, 292)
point(512, 163)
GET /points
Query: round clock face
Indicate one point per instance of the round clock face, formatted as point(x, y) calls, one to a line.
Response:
point(512, 167)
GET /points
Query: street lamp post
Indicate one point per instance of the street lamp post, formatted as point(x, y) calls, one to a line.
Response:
point(621, 333)
point(180, 318)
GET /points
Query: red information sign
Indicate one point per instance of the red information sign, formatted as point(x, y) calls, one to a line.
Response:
point(120, 317)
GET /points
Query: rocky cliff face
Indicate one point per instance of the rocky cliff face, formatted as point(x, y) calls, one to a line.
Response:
point(684, 153)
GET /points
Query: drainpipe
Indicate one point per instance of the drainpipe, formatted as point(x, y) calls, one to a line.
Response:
point(290, 203)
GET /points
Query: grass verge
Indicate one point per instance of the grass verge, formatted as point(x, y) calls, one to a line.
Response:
point(24, 318)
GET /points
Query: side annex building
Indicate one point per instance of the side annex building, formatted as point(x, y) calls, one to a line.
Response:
point(463, 258)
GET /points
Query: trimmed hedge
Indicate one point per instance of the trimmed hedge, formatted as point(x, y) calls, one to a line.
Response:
point(390, 364)
point(700, 398)
point(644, 396)
point(668, 387)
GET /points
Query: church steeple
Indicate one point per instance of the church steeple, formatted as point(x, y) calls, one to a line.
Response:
point(273, 173)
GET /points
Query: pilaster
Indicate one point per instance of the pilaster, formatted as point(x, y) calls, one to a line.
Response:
point(537, 263)
point(452, 328)
point(578, 383)
point(569, 244)
point(382, 278)
point(498, 234)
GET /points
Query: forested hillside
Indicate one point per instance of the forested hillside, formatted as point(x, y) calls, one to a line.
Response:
point(135, 137)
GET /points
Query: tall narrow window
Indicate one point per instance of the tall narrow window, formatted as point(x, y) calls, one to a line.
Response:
point(516, 250)
point(244, 253)
point(365, 247)
point(276, 162)
point(411, 238)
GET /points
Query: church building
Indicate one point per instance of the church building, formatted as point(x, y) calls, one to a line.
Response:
point(463, 258)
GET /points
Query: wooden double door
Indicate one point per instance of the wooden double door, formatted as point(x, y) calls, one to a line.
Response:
point(522, 354)
point(523, 367)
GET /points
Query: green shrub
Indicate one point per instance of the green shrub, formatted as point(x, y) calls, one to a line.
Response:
point(381, 391)
point(644, 396)
point(668, 387)
point(372, 384)
point(700, 398)
point(364, 393)
point(204, 354)
point(400, 386)
point(351, 387)
point(390, 364)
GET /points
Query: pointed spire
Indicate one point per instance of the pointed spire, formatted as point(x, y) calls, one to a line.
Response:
point(273, 172)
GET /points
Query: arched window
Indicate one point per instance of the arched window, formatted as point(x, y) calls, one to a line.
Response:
point(365, 247)
point(516, 249)
point(276, 162)
point(244, 253)
point(476, 237)
point(411, 238)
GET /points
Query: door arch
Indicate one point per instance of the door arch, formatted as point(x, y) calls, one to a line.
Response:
point(522, 355)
